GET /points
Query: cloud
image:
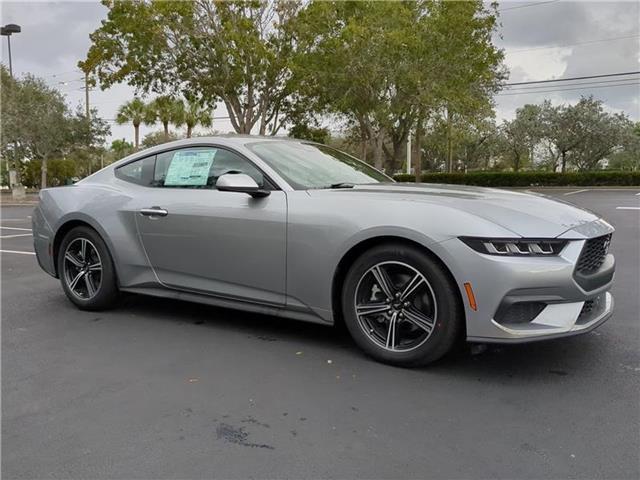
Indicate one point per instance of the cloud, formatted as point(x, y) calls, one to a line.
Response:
point(563, 39)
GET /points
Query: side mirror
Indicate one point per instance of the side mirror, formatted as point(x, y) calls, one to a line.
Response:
point(240, 182)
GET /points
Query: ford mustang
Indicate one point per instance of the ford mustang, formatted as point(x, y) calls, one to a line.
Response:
point(300, 230)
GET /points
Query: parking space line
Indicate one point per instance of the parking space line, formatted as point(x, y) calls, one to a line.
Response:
point(15, 236)
point(16, 228)
point(627, 208)
point(17, 251)
point(577, 191)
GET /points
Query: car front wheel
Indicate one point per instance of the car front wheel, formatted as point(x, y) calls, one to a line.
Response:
point(86, 270)
point(400, 306)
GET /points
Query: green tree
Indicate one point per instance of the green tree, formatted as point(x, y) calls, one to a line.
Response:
point(305, 131)
point(237, 52)
point(583, 134)
point(157, 138)
point(628, 156)
point(120, 149)
point(382, 65)
point(167, 110)
point(34, 121)
point(521, 135)
point(134, 111)
point(194, 113)
point(462, 68)
point(353, 55)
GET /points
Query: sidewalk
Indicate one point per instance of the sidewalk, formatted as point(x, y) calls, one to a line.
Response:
point(7, 200)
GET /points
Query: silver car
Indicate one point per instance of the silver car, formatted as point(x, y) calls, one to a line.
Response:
point(300, 230)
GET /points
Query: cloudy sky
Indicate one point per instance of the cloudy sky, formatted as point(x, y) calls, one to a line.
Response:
point(542, 40)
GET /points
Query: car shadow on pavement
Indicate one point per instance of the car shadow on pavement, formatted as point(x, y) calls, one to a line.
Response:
point(556, 360)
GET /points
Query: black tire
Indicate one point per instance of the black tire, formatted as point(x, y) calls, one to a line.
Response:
point(106, 293)
point(449, 316)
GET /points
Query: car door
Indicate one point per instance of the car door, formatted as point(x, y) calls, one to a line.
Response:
point(200, 239)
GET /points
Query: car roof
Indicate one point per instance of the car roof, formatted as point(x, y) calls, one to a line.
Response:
point(232, 139)
point(229, 140)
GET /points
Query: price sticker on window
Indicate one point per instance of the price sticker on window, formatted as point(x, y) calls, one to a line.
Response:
point(189, 168)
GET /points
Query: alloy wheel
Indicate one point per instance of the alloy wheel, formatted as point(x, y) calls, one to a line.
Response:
point(395, 306)
point(82, 268)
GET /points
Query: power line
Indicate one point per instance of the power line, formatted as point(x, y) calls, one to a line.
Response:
point(527, 5)
point(573, 78)
point(567, 89)
point(598, 82)
point(573, 44)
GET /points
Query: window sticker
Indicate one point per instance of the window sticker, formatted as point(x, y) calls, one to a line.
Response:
point(189, 168)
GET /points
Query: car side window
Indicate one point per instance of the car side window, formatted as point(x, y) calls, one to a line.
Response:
point(138, 171)
point(200, 167)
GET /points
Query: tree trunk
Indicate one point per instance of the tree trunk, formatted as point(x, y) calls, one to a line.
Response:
point(189, 127)
point(166, 131)
point(136, 130)
point(43, 173)
point(563, 164)
point(363, 142)
point(378, 154)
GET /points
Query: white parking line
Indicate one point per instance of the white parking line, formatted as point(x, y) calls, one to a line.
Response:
point(627, 208)
point(17, 251)
point(16, 228)
point(14, 236)
point(577, 191)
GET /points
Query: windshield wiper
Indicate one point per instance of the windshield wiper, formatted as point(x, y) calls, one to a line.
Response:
point(342, 185)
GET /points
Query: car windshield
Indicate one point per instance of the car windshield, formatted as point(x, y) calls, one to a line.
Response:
point(307, 166)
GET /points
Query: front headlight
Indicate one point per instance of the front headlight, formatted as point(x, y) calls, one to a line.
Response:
point(515, 246)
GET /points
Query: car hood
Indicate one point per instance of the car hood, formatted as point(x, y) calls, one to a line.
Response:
point(525, 214)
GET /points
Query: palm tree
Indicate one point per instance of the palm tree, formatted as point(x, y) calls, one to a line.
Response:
point(167, 110)
point(196, 114)
point(135, 112)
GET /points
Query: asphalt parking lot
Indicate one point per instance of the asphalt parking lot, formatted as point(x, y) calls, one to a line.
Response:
point(166, 389)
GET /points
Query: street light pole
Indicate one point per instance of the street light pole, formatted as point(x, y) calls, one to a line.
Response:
point(10, 62)
point(7, 31)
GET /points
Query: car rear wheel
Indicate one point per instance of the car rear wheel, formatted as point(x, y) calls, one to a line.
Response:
point(400, 306)
point(86, 270)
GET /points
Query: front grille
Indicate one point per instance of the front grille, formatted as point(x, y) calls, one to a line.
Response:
point(593, 254)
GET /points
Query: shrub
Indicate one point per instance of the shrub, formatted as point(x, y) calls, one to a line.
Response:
point(529, 179)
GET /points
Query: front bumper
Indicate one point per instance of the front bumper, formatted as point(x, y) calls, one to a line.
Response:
point(554, 303)
point(555, 321)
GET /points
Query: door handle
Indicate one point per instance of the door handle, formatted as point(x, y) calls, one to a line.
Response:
point(154, 212)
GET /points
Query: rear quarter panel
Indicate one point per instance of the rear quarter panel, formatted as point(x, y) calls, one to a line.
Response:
point(102, 207)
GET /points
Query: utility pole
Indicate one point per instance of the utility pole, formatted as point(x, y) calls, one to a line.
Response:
point(449, 143)
point(409, 154)
point(86, 94)
point(418, 167)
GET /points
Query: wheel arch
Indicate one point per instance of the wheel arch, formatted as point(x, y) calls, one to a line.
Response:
point(69, 224)
point(359, 248)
